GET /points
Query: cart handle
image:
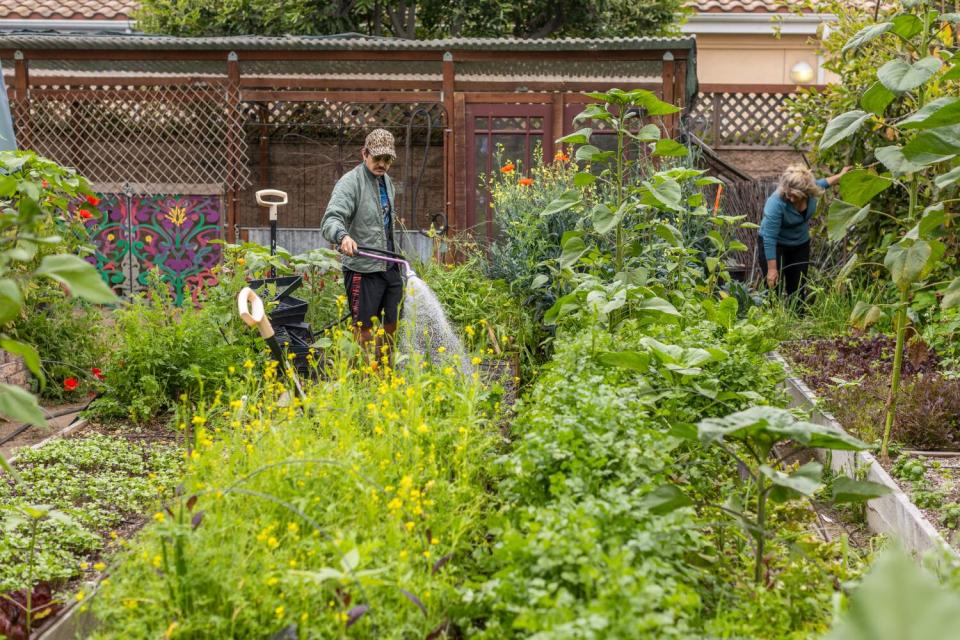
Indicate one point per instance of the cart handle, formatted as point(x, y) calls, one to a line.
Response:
point(252, 312)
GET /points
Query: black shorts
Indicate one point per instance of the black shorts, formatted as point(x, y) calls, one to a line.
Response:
point(374, 295)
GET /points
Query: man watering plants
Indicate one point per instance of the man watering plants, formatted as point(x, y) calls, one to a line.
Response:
point(361, 213)
point(783, 249)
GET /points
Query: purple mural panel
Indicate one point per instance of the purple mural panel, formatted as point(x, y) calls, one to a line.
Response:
point(110, 234)
point(173, 234)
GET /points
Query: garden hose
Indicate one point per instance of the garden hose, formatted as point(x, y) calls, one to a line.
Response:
point(57, 414)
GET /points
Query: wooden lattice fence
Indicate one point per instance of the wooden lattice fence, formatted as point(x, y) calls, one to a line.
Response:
point(744, 116)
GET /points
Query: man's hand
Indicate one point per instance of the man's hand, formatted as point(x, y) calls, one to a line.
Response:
point(348, 246)
point(772, 277)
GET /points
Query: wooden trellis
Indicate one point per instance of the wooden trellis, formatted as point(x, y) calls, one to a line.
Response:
point(744, 116)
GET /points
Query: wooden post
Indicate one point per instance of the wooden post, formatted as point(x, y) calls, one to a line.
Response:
point(449, 143)
point(263, 115)
point(233, 143)
point(716, 99)
point(558, 122)
point(460, 161)
point(668, 76)
point(21, 83)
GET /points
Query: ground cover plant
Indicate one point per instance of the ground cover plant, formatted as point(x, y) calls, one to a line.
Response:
point(851, 374)
point(71, 501)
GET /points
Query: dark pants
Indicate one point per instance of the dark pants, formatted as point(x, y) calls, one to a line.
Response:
point(792, 263)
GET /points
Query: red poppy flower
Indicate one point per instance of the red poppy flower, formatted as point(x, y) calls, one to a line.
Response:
point(97, 373)
point(70, 384)
point(86, 215)
point(93, 200)
point(507, 168)
point(526, 182)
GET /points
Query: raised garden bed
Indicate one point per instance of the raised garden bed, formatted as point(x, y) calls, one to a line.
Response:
point(894, 514)
point(88, 489)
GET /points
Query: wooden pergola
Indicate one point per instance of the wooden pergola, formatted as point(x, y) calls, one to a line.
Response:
point(485, 92)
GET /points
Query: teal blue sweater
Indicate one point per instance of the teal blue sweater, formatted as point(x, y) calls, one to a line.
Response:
point(783, 224)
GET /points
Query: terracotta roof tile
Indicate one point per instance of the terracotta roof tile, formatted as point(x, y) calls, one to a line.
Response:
point(765, 6)
point(738, 6)
point(67, 9)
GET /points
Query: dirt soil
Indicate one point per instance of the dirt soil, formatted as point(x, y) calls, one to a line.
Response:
point(32, 435)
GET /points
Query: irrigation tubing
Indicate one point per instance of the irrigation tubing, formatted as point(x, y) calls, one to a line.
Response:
point(57, 414)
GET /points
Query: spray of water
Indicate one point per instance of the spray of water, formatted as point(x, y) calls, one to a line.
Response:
point(427, 329)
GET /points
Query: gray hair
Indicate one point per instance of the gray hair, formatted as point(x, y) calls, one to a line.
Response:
point(798, 182)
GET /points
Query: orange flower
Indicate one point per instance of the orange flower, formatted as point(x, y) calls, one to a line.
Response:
point(560, 156)
point(526, 182)
point(507, 168)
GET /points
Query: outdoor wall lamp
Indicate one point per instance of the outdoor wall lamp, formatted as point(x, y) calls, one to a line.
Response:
point(801, 73)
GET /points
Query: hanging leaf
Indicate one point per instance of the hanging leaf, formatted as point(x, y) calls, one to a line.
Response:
point(667, 193)
point(877, 98)
point(568, 199)
point(80, 277)
point(573, 249)
point(947, 179)
point(670, 234)
point(804, 481)
point(907, 260)
point(848, 490)
point(668, 147)
point(589, 153)
point(865, 35)
point(841, 216)
point(930, 147)
point(29, 354)
point(577, 137)
point(647, 133)
point(841, 127)
point(664, 499)
point(865, 314)
point(11, 300)
point(860, 186)
point(20, 406)
point(899, 75)
point(583, 179)
point(941, 112)
point(657, 304)
point(605, 220)
point(907, 26)
point(951, 295)
point(653, 105)
point(847, 267)
point(626, 360)
point(893, 159)
point(539, 280)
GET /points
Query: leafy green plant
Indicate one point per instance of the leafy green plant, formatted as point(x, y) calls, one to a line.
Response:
point(35, 197)
point(756, 432)
point(916, 164)
point(162, 352)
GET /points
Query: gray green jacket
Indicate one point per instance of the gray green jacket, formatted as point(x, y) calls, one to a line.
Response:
point(354, 210)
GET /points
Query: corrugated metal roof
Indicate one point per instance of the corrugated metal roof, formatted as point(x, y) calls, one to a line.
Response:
point(62, 41)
